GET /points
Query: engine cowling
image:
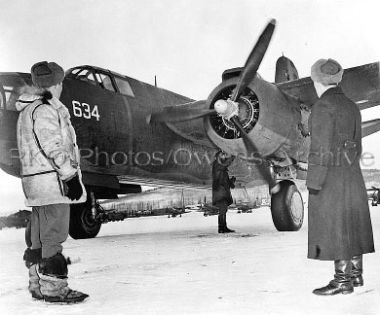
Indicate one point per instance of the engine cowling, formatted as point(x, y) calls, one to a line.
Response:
point(269, 116)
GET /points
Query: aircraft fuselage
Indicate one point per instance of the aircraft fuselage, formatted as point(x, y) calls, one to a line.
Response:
point(116, 142)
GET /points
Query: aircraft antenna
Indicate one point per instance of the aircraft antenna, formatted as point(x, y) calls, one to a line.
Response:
point(155, 81)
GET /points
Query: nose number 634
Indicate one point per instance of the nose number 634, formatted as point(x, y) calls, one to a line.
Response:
point(85, 110)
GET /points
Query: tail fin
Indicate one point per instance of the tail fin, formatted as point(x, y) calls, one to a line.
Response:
point(285, 70)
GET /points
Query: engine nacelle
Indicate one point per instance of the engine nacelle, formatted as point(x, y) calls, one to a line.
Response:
point(269, 116)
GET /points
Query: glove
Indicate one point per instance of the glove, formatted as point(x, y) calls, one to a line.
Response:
point(232, 181)
point(74, 188)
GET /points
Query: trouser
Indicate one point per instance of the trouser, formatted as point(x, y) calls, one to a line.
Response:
point(222, 222)
point(223, 207)
point(50, 228)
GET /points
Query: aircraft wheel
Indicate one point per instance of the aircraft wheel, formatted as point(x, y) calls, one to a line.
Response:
point(287, 207)
point(82, 224)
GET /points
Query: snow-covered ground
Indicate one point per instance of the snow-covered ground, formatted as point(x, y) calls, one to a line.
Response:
point(160, 265)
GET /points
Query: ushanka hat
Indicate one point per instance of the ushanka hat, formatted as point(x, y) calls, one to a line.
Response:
point(46, 74)
point(327, 72)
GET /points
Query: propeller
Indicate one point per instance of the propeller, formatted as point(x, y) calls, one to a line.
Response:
point(197, 109)
point(254, 156)
point(248, 74)
point(254, 60)
point(229, 109)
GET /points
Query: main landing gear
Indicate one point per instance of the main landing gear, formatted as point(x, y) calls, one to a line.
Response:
point(83, 220)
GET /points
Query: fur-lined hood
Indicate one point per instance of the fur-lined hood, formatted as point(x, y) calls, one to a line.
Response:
point(30, 94)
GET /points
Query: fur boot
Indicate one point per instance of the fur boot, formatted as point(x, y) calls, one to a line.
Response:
point(32, 257)
point(53, 280)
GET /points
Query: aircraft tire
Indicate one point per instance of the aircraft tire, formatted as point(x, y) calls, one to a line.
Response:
point(287, 207)
point(82, 225)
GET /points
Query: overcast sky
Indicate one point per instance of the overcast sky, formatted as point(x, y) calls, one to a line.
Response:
point(187, 44)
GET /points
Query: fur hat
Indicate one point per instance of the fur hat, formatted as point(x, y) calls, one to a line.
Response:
point(327, 72)
point(46, 74)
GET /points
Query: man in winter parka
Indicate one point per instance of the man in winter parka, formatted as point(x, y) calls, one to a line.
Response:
point(221, 188)
point(339, 221)
point(51, 180)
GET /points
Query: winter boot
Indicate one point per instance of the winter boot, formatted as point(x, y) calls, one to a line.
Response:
point(32, 257)
point(342, 280)
point(220, 224)
point(34, 283)
point(226, 229)
point(357, 271)
point(53, 280)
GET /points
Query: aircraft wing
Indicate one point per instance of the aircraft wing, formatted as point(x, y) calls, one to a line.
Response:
point(370, 127)
point(361, 84)
point(166, 198)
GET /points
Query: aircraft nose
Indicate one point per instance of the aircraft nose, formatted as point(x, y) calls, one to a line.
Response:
point(11, 85)
point(9, 160)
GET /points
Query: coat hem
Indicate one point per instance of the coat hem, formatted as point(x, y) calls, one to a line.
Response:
point(340, 258)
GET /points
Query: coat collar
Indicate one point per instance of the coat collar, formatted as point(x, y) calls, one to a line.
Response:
point(27, 99)
point(334, 90)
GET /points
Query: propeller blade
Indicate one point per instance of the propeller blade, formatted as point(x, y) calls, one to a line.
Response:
point(182, 112)
point(254, 59)
point(255, 155)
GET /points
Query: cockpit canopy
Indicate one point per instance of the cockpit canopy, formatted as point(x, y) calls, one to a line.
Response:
point(100, 77)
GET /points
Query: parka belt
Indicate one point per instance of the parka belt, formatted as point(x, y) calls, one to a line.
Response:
point(41, 173)
point(348, 144)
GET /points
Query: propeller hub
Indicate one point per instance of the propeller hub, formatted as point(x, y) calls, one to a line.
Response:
point(226, 108)
point(246, 109)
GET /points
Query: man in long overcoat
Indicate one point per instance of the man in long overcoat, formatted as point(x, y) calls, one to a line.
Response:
point(339, 220)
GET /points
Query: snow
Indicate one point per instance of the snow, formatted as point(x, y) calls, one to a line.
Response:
point(160, 265)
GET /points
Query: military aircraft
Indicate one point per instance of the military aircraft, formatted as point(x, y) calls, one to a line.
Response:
point(132, 133)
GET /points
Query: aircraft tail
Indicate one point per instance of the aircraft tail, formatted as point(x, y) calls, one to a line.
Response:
point(285, 70)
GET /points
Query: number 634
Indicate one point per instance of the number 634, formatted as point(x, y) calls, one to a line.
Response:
point(84, 110)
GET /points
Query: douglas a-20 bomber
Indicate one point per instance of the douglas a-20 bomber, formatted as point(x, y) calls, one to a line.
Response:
point(131, 133)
